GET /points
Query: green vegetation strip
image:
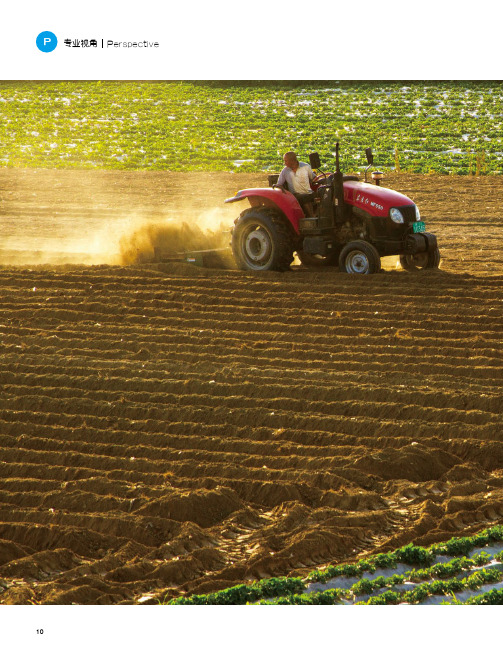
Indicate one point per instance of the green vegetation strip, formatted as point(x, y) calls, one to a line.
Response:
point(493, 597)
point(445, 127)
point(242, 594)
point(410, 554)
point(416, 595)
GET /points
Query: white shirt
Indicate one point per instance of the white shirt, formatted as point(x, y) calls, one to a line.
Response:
point(298, 182)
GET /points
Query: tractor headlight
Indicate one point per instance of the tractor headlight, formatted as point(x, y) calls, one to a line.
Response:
point(396, 216)
point(418, 215)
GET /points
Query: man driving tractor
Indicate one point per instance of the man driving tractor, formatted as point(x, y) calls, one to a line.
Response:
point(298, 175)
point(356, 223)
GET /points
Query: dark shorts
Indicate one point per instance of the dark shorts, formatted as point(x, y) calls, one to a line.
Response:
point(308, 197)
point(302, 199)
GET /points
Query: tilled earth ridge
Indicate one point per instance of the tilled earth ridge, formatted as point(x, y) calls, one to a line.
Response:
point(169, 430)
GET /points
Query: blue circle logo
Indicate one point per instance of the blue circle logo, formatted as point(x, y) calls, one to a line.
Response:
point(47, 42)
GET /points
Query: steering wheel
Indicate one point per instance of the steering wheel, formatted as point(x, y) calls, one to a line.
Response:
point(318, 179)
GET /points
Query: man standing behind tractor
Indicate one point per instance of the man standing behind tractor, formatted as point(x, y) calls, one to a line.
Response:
point(298, 176)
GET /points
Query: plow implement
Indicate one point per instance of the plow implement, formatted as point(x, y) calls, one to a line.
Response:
point(213, 258)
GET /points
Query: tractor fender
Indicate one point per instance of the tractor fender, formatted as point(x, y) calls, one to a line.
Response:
point(272, 197)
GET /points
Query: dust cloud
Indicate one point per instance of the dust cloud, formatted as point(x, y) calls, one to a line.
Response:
point(122, 241)
point(172, 238)
point(108, 218)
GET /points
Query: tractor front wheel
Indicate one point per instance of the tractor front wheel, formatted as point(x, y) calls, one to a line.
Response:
point(359, 258)
point(262, 240)
point(420, 260)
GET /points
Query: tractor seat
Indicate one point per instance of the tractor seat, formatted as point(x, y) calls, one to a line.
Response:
point(350, 177)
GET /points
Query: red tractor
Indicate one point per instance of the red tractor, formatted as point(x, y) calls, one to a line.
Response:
point(355, 224)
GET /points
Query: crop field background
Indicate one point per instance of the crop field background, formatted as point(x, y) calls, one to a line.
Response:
point(167, 430)
point(446, 127)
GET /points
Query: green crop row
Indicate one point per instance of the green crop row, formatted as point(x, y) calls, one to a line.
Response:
point(242, 594)
point(441, 570)
point(448, 569)
point(438, 588)
point(416, 595)
point(409, 554)
point(493, 597)
point(275, 587)
point(446, 127)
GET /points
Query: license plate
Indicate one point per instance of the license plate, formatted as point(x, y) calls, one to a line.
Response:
point(418, 227)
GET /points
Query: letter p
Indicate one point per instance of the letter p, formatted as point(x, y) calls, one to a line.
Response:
point(46, 41)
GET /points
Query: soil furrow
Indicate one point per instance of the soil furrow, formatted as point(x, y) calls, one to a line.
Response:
point(168, 429)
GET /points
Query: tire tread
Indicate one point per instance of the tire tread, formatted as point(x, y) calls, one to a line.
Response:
point(284, 245)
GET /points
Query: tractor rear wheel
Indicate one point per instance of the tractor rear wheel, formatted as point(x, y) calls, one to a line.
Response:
point(262, 240)
point(359, 258)
point(420, 260)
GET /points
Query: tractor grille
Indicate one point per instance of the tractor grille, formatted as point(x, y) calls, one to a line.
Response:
point(409, 213)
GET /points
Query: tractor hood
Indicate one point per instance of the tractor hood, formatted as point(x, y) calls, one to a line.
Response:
point(374, 199)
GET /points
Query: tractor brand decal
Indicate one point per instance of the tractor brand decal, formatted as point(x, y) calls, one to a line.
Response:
point(365, 200)
point(362, 199)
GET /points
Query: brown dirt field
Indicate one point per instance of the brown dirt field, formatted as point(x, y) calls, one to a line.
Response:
point(167, 429)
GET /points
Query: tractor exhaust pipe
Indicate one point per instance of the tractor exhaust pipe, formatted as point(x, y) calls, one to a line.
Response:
point(338, 188)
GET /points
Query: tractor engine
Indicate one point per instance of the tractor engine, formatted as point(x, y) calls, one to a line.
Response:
point(350, 231)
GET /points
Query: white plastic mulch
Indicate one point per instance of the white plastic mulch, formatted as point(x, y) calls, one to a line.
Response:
point(347, 582)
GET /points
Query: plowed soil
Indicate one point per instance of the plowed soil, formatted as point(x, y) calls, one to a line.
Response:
point(167, 429)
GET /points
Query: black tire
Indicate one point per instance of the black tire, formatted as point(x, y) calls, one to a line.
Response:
point(359, 258)
point(420, 260)
point(262, 240)
point(316, 260)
